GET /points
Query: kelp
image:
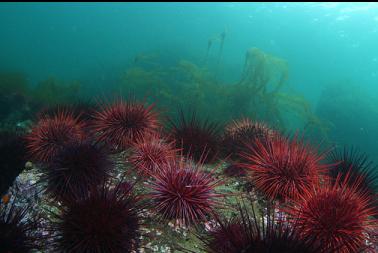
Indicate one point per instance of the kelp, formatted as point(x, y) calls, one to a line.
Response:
point(19, 100)
point(145, 84)
point(217, 39)
point(264, 75)
point(312, 125)
point(13, 82)
point(258, 94)
point(263, 71)
point(52, 91)
point(14, 92)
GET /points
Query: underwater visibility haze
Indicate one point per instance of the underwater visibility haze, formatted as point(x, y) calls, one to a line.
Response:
point(189, 127)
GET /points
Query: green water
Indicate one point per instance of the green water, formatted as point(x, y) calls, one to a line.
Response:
point(309, 69)
point(108, 47)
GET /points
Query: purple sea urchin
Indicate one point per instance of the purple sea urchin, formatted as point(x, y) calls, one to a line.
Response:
point(107, 221)
point(18, 232)
point(75, 169)
point(198, 139)
point(355, 164)
point(12, 158)
point(250, 233)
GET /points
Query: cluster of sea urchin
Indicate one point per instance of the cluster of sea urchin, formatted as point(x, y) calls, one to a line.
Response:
point(92, 215)
point(320, 214)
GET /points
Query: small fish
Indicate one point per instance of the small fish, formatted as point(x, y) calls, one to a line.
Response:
point(28, 165)
point(209, 43)
point(5, 199)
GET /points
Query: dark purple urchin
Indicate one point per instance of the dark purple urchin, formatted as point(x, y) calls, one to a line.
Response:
point(75, 169)
point(285, 239)
point(198, 139)
point(107, 221)
point(18, 232)
point(232, 236)
point(184, 193)
point(12, 158)
point(249, 233)
point(355, 163)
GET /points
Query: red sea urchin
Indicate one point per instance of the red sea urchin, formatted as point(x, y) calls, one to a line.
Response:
point(282, 168)
point(75, 169)
point(123, 123)
point(82, 110)
point(198, 139)
point(337, 215)
point(51, 134)
point(151, 153)
point(240, 133)
point(107, 221)
point(181, 191)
